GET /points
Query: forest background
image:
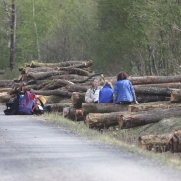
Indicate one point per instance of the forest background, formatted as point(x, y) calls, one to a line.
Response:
point(141, 37)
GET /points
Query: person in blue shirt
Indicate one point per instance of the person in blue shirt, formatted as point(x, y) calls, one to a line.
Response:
point(106, 93)
point(124, 92)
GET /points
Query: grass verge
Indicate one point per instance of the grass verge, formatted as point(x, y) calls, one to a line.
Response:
point(125, 139)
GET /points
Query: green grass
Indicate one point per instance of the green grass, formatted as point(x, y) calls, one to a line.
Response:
point(125, 139)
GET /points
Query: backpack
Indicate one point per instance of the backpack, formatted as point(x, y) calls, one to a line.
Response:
point(12, 107)
point(27, 103)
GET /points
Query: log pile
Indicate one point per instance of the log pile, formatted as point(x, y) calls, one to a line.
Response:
point(161, 142)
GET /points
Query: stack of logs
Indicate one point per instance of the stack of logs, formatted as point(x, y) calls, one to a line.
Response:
point(66, 83)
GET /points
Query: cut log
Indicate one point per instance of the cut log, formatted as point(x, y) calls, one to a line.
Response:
point(152, 105)
point(58, 107)
point(175, 95)
point(6, 90)
point(161, 142)
point(2, 71)
point(154, 79)
point(61, 64)
point(134, 119)
point(57, 83)
point(102, 108)
point(69, 113)
point(176, 85)
point(156, 143)
point(6, 83)
point(4, 97)
point(153, 91)
point(77, 99)
point(141, 98)
point(52, 92)
point(77, 71)
point(44, 75)
point(102, 120)
point(28, 70)
point(77, 88)
point(79, 115)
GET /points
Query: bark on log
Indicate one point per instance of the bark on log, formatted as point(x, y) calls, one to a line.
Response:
point(153, 91)
point(4, 97)
point(102, 120)
point(134, 119)
point(77, 71)
point(161, 142)
point(61, 64)
point(175, 95)
point(157, 143)
point(69, 113)
point(152, 105)
point(52, 92)
point(176, 85)
point(102, 108)
point(58, 107)
point(57, 83)
point(52, 99)
point(28, 70)
point(6, 83)
point(151, 98)
point(2, 71)
point(5, 90)
point(154, 79)
point(79, 115)
point(77, 88)
point(44, 75)
point(77, 99)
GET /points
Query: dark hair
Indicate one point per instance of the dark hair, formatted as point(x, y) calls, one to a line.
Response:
point(122, 76)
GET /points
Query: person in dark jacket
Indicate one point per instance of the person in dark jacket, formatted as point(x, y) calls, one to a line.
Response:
point(106, 93)
point(123, 90)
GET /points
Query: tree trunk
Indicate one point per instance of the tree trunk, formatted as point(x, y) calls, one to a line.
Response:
point(150, 98)
point(69, 113)
point(176, 85)
point(77, 99)
point(2, 71)
point(134, 119)
point(101, 120)
point(157, 143)
point(61, 64)
point(52, 92)
point(152, 91)
point(6, 83)
point(175, 95)
point(57, 83)
point(79, 115)
point(44, 75)
point(154, 79)
point(58, 107)
point(161, 142)
point(151, 106)
point(13, 35)
point(102, 108)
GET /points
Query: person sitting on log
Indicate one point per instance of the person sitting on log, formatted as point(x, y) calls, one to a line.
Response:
point(92, 94)
point(124, 92)
point(106, 93)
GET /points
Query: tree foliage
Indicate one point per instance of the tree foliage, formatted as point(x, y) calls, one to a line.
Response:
point(141, 37)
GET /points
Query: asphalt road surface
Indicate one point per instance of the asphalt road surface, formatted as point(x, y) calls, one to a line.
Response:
point(35, 150)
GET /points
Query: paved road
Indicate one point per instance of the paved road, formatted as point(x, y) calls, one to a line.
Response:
point(35, 150)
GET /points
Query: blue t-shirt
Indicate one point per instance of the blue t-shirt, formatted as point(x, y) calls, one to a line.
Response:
point(106, 95)
point(124, 90)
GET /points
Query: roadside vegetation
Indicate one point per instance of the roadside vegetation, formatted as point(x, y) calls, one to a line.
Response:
point(126, 139)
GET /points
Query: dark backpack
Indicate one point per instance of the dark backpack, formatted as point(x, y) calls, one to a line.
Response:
point(12, 107)
point(27, 103)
